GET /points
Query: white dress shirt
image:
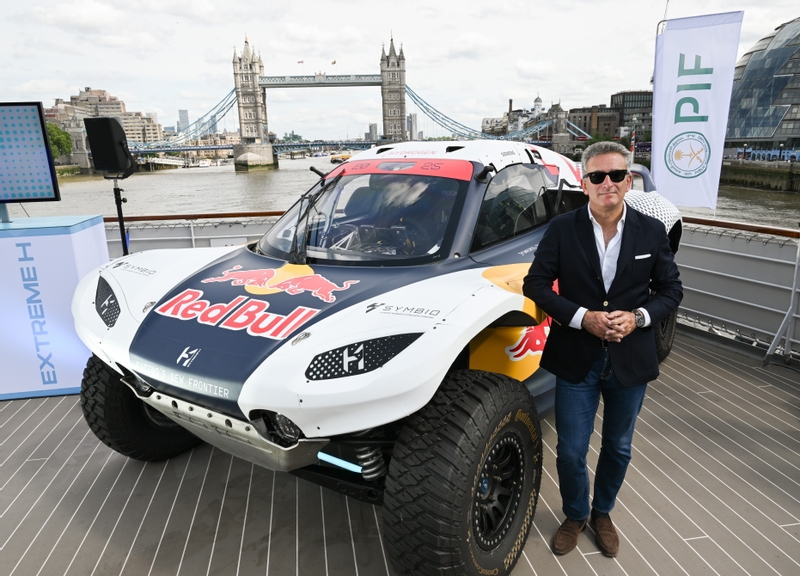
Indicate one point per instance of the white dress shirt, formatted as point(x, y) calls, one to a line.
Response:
point(609, 255)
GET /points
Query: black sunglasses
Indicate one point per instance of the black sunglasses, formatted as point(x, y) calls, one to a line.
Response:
point(599, 177)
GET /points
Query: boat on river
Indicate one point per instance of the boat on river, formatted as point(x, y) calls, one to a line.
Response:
point(339, 158)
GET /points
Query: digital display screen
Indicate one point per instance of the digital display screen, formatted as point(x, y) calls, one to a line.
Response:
point(26, 160)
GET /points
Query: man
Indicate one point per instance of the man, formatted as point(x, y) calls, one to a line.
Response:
point(616, 279)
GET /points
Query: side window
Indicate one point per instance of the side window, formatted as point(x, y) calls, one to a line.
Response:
point(513, 204)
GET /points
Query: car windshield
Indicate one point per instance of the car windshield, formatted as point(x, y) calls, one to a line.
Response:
point(379, 218)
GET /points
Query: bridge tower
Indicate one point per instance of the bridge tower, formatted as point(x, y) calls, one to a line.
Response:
point(255, 151)
point(393, 92)
point(249, 96)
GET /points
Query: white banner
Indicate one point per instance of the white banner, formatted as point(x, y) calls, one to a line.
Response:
point(695, 58)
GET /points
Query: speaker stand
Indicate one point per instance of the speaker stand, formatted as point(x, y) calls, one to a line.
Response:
point(118, 199)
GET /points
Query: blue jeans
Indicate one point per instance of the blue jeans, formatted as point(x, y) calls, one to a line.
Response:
point(576, 406)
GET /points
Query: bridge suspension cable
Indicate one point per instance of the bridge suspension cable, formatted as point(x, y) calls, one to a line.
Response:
point(201, 125)
point(444, 121)
point(197, 128)
point(463, 131)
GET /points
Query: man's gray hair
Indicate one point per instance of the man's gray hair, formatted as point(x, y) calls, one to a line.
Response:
point(605, 147)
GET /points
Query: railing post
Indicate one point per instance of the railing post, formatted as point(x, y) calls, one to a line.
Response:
point(786, 328)
point(191, 231)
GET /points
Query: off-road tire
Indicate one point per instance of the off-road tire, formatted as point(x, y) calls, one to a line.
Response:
point(665, 335)
point(445, 512)
point(123, 422)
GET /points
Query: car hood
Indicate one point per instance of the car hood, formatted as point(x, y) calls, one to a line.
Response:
point(207, 335)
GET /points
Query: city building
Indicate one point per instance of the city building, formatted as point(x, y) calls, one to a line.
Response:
point(217, 139)
point(636, 111)
point(518, 119)
point(765, 101)
point(183, 120)
point(69, 115)
point(495, 126)
point(373, 133)
point(558, 126)
point(411, 126)
point(513, 120)
point(538, 108)
point(598, 119)
point(211, 125)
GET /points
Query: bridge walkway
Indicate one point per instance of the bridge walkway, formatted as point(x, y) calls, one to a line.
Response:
point(713, 489)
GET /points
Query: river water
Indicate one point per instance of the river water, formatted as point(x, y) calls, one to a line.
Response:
point(221, 189)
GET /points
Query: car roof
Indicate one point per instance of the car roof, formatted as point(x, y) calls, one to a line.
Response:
point(498, 153)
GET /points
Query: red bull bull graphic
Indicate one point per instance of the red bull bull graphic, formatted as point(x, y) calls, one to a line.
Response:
point(510, 350)
point(319, 286)
point(241, 313)
point(531, 342)
point(291, 279)
point(238, 277)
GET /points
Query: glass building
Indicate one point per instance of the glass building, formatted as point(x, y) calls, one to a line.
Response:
point(765, 102)
point(636, 108)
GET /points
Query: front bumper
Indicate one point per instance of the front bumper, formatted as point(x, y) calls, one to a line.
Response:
point(236, 437)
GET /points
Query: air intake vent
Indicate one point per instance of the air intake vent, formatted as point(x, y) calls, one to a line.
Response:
point(452, 149)
point(106, 304)
point(358, 358)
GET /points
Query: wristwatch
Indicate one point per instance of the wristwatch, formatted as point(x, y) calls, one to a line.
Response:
point(639, 318)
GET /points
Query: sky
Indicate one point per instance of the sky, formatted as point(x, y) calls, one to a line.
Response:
point(466, 58)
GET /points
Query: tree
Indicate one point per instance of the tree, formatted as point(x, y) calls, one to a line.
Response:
point(60, 140)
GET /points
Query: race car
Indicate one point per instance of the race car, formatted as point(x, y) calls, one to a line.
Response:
point(375, 340)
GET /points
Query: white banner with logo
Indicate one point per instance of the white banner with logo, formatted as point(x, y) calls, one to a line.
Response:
point(695, 59)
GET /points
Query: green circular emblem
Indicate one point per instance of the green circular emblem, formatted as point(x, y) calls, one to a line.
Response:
point(687, 155)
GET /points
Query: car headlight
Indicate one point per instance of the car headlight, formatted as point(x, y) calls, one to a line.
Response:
point(105, 302)
point(358, 358)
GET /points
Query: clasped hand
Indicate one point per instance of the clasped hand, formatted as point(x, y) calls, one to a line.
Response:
point(611, 326)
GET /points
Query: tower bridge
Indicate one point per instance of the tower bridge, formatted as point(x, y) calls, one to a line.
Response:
point(249, 96)
point(251, 85)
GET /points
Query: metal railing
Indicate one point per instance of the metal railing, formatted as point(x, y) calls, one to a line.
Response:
point(188, 230)
point(742, 280)
point(739, 280)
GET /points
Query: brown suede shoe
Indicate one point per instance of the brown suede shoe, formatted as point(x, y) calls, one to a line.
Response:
point(605, 536)
point(566, 537)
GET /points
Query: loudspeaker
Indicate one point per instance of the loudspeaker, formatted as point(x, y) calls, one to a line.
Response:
point(109, 145)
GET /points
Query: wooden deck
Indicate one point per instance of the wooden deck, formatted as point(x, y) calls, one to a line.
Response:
point(713, 488)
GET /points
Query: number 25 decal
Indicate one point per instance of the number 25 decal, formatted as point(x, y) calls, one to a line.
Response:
point(431, 166)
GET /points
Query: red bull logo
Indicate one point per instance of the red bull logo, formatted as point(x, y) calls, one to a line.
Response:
point(241, 313)
point(238, 277)
point(531, 342)
point(291, 279)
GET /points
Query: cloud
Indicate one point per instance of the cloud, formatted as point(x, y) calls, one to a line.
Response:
point(465, 57)
point(35, 87)
point(536, 69)
point(86, 16)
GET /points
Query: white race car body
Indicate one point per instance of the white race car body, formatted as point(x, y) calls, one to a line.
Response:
point(222, 340)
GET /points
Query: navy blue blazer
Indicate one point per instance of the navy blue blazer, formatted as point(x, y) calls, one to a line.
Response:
point(646, 277)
